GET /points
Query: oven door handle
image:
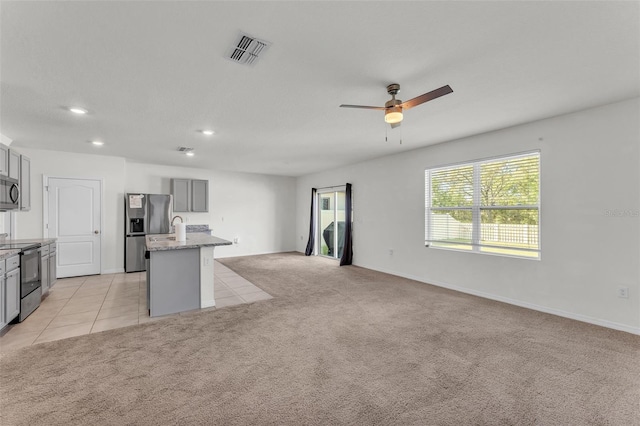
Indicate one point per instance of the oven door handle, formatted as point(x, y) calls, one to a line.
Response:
point(17, 192)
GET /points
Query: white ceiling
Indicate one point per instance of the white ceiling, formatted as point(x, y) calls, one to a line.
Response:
point(152, 73)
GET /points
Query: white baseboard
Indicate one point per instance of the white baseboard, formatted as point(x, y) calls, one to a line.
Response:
point(207, 304)
point(218, 256)
point(112, 271)
point(533, 306)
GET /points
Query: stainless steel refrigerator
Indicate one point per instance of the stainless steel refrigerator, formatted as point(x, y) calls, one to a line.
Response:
point(144, 214)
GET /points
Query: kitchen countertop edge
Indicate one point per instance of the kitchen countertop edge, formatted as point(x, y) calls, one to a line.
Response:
point(194, 240)
point(41, 241)
point(7, 253)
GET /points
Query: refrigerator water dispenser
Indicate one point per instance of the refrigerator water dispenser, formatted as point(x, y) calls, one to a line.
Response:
point(136, 226)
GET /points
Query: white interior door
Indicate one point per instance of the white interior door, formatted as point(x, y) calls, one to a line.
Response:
point(75, 208)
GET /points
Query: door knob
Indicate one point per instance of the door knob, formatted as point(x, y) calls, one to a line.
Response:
point(96, 232)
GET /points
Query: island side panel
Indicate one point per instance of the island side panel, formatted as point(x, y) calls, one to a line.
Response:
point(206, 277)
point(174, 281)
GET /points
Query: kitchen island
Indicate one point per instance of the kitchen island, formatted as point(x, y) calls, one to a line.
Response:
point(180, 273)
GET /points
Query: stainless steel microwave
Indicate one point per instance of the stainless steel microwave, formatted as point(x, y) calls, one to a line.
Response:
point(9, 193)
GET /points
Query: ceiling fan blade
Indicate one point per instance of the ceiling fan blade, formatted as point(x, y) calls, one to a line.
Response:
point(444, 90)
point(394, 125)
point(361, 106)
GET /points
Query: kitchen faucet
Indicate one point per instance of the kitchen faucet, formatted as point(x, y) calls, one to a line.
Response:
point(176, 217)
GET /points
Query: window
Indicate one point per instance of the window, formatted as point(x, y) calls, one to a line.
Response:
point(488, 206)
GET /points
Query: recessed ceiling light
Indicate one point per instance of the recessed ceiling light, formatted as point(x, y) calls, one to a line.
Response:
point(189, 154)
point(97, 143)
point(78, 110)
point(207, 132)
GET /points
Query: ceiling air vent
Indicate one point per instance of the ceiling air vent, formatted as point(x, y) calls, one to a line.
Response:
point(184, 149)
point(247, 49)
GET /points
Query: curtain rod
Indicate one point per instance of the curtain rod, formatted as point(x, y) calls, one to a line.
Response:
point(335, 186)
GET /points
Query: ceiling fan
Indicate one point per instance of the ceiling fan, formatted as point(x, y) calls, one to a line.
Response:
point(393, 108)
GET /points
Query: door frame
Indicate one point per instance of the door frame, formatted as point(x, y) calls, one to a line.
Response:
point(45, 208)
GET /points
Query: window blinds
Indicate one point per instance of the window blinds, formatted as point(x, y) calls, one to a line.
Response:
point(487, 206)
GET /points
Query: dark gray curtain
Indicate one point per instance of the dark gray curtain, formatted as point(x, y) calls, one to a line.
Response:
point(347, 253)
point(312, 242)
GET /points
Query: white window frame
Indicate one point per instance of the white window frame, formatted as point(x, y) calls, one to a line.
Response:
point(476, 208)
point(333, 190)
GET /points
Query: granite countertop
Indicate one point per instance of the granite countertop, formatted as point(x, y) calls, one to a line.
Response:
point(5, 254)
point(42, 241)
point(161, 242)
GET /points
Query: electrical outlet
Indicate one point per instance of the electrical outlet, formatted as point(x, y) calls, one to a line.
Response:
point(235, 240)
point(623, 292)
point(390, 252)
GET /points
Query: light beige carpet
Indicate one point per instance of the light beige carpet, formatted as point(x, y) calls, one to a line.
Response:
point(335, 346)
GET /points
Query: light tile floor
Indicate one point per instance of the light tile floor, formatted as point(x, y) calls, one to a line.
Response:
point(83, 305)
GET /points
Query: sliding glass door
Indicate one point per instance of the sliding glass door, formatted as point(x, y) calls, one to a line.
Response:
point(330, 229)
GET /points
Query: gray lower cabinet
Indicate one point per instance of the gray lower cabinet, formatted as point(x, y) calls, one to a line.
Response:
point(44, 274)
point(190, 195)
point(12, 295)
point(173, 281)
point(3, 321)
point(53, 266)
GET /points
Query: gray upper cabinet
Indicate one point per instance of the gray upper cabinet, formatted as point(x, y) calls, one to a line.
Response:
point(190, 195)
point(199, 195)
point(4, 160)
point(25, 183)
point(181, 194)
point(14, 165)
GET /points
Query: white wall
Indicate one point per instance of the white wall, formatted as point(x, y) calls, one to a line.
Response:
point(5, 219)
point(66, 164)
point(258, 209)
point(589, 165)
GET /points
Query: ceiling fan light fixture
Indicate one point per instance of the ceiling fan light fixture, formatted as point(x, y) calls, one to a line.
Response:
point(393, 115)
point(78, 110)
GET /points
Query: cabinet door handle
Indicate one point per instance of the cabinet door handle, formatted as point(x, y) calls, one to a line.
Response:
point(96, 232)
point(17, 192)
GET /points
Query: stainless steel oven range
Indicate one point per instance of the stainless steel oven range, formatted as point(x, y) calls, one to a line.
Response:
point(30, 276)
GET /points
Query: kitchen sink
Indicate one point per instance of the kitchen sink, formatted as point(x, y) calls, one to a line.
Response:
point(155, 239)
